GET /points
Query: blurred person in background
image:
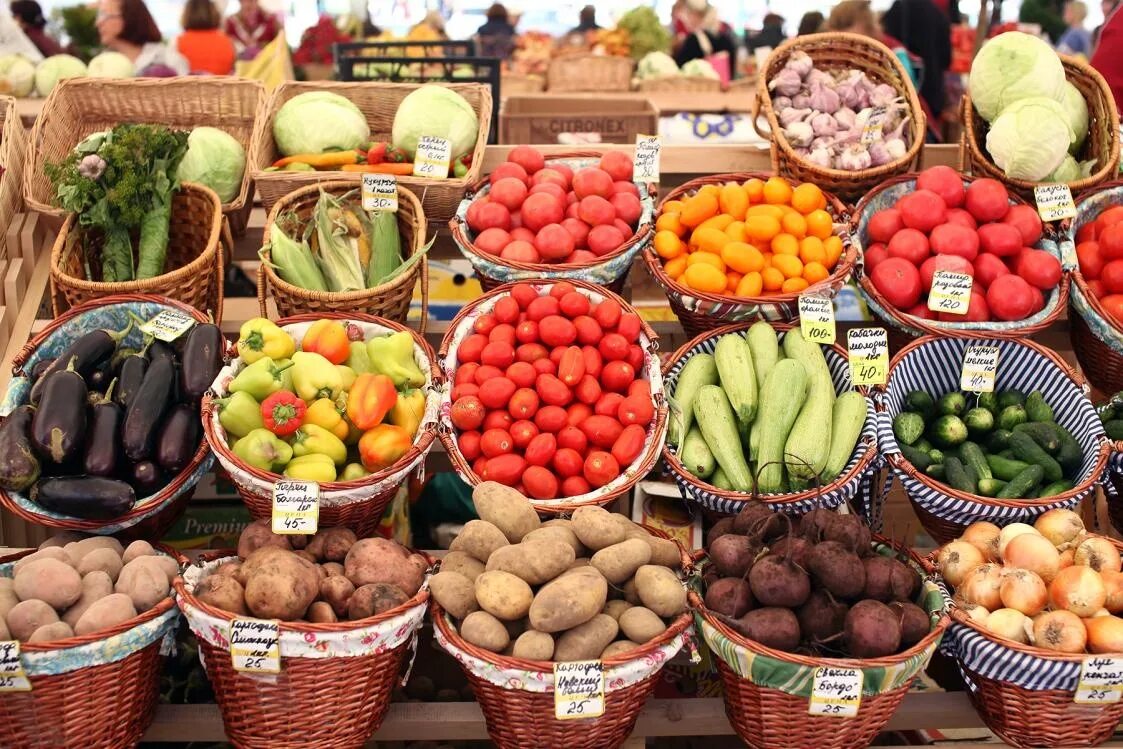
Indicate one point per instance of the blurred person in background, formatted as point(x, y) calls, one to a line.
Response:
point(127, 27)
point(206, 47)
point(925, 31)
point(496, 37)
point(586, 20)
point(251, 28)
point(771, 33)
point(1076, 40)
point(811, 23)
point(705, 37)
point(30, 18)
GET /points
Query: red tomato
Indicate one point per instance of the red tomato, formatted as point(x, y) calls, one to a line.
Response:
point(541, 449)
point(575, 486)
point(496, 392)
point(987, 200)
point(588, 390)
point(469, 444)
point(613, 347)
point(506, 469)
point(568, 462)
point(467, 413)
point(498, 420)
point(600, 468)
point(987, 268)
point(1112, 277)
point(1010, 297)
point(629, 444)
point(1091, 261)
point(1096, 289)
point(522, 374)
point(496, 442)
point(636, 409)
point(465, 373)
point(1113, 306)
point(522, 432)
point(953, 239)
point(874, 255)
point(909, 244)
point(607, 314)
point(923, 210)
point(617, 376)
point(952, 263)
point(898, 280)
point(1000, 239)
point(588, 330)
point(524, 294)
point(552, 391)
point(550, 419)
point(945, 182)
point(573, 438)
point(471, 348)
point(527, 332)
point(487, 372)
point(555, 330)
point(884, 224)
point(540, 483)
point(1111, 241)
point(1040, 268)
point(961, 217)
point(498, 354)
point(609, 404)
point(524, 404)
point(1025, 219)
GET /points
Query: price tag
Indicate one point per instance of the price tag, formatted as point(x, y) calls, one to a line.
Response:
point(168, 325)
point(1054, 202)
point(12, 677)
point(869, 356)
point(816, 318)
point(380, 192)
point(836, 692)
point(255, 646)
point(296, 507)
point(871, 131)
point(646, 161)
point(1101, 681)
point(980, 365)
point(951, 292)
point(578, 690)
point(432, 157)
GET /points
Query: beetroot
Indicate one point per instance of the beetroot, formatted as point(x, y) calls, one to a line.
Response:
point(733, 555)
point(776, 581)
point(730, 596)
point(720, 528)
point(772, 627)
point(798, 549)
point(851, 532)
point(888, 579)
point(822, 617)
point(914, 622)
point(837, 569)
point(872, 630)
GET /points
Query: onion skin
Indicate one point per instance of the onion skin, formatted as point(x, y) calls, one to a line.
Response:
point(956, 560)
point(1011, 624)
point(1098, 553)
point(1035, 553)
point(1079, 590)
point(982, 586)
point(984, 537)
point(1113, 583)
point(1023, 591)
point(1060, 631)
point(1009, 533)
point(1061, 527)
point(1105, 634)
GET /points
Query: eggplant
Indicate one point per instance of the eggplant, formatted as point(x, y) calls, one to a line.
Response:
point(86, 497)
point(19, 466)
point(178, 439)
point(40, 369)
point(130, 377)
point(157, 350)
point(147, 478)
point(146, 409)
point(87, 353)
point(202, 359)
point(103, 439)
point(58, 429)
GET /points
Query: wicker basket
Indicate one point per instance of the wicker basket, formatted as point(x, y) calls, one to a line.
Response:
point(834, 51)
point(1102, 143)
point(152, 516)
point(610, 271)
point(336, 679)
point(390, 300)
point(461, 326)
point(679, 84)
point(84, 700)
point(359, 504)
point(378, 103)
point(513, 84)
point(934, 364)
point(699, 311)
point(194, 266)
point(81, 106)
point(598, 73)
point(13, 147)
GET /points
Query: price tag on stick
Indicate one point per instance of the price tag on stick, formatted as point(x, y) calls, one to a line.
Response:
point(12, 676)
point(980, 366)
point(1101, 681)
point(1054, 202)
point(296, 507)
point(168, 325)
point(645, 164)
point(869, 356)
point(951, 292)
point(380, 192)
point(836, 692)
point(432, 157)
point(578, 690)
point(255, 646)
point(816, 319)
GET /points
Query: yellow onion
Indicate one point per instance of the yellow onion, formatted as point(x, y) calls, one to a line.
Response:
point(1011, 624)
point(1113, 584)
point(982, 586)
point(1079, 590)
point(1098, 553)
point(1029, 551)
point(1105, 634)
point(984, 537)
point(1062, 631)
point(1023, 591)
point(957, 559)
point(1061, 527)
point(1009, 533)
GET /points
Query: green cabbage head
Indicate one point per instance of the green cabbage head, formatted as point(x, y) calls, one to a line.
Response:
point(1014, 66)
point(54, 69)
point(1077, 110)
point(1030, 139)
point(17, 76)
point(319, 121)
point(215, 159)
point(111, 65)
point(437, 111)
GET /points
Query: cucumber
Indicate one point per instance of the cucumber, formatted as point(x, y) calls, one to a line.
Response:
point(1011, 416)
point(719, 480)
point(919, 459)
point(696, 455)
point(1021, 485)
point(979, 421)
point(990, 487)
point(735, 373)
point(999, 440)
point(1114, 428)
point(846, 427)
point(989, 401)
point(1036, 407)
point(784, 392)
point(765, 349)
point(1010, 398)
point(937, 471)
point(948, 431)
point(920, 402)
point(1043, 434)
point(719, 428)
point(1070, 456)
point(951, 404)
point(907, 427)
point(809, 441)
point(699, 370)
point(1028, 450)
point(972, 455)
point(1005, 468)
point(1055, 488)
point(957, 475)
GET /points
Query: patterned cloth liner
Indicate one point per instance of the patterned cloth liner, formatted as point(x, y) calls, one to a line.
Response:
point(650, 366)
point(600, 273)
point(796, 679)
point(936, 367)
point(359, 641)
point(338, 496)
point(102, 652)
point(867, 441)
point(110, 317)
point(1086, 211)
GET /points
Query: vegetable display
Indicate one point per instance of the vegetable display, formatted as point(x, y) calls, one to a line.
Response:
point(1099, 250)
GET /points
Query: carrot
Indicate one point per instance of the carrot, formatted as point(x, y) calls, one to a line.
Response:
point(401, 169)
point(320, 160)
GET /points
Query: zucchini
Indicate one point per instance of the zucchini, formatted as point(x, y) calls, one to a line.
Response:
point(920, 402)
point(699, 370)
point(735, 373)
point(951, 404)
point(1036, 407)
point(948, 431)
point(846, 427)
point(1005, 468)
point(991, 487)
point(1070, 456)
point(972, 455)
point(718, 427)
point(999, 440)
point(1011, 416)
point(918, 458)
point(958, 477)
point(785, 390)
point(696, 455)
point(979, 421)
point(1055, 488)
point(809, 441)
point(908, 427)
point(1010, 398)
point(719, 480)
point(1043, 434)
point(1021, 485)
point(1028, 450)
point(937, 471)
point(989, 401)
point(765, 349)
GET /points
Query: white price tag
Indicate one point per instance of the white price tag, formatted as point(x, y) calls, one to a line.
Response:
point(645, 163)
point(296, 507)
point(816, 319)
point(951, 292)
point(380, 192)
point(578, 690)
point(432, 157)
point(836, 692)
point(1054, 202)
point(1101, 680)
point(871, 131)
point(12, 676)
point(869, 356)
point(980, 366)
point(255, 646)
point(168, 325)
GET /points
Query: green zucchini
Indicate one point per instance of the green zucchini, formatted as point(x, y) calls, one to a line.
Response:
point(1028, 450)
point(1055, 488)
point(918, 458)
point(735, 373)
point(1021, 485)
point(846, 427)
point(719, 428)
point(1011, 416)
point(958, 477)
point(972, 455)
point(1043, 434)
point(1036, 407)
point(809, 441)
point(991, 487)
point(1005, 468)
point(699, 370)
point(765, 349)
point(696, 454)
point(784, 392)
point(908, 427)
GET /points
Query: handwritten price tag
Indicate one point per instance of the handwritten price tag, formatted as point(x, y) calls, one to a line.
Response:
point(951, 292)
point(646, 162)
point(255, 646)
point(432, 157)
point(296, 507)
point(871, 131)
point(1101, 681)
point(816, 319)
point(380, 192)
point(869, 356)
point(168, 325)
point(12, 676)
point(980, 366)
point(578, 690)
point(836, 692)
point(1054, 202)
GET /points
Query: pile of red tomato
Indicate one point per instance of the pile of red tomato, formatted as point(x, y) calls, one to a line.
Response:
point(548, 395)
point(1099, 248)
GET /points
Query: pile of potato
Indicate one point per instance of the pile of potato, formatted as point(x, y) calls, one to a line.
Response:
point(594, 586)
point(78, 585)
point(329, 577)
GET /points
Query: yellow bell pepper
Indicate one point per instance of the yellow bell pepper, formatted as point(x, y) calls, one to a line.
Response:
point(326, 413)
point(259, 338)
point(311, 467)
point(408, 411)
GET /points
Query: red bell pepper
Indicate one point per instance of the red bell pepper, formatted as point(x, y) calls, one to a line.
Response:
point(282, 412)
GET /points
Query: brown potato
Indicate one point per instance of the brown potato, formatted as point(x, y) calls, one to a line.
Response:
point(104, 560)
point(554, 531)
point(336, 592)
point(380, 560)
point(464, 563)
point(484, 630)
point(28, 616)
point(321, 612)
point(375, 599)
point(95, 586)
point(595, 527)
point(454, 592)
point(618, 648)
point(332, 544)
point(640, 624)
point(137, 549)
point(534, 646)
point(223, 592)
point(660, 590)
point(572, 599)
point(503, 595)
point(79, 549)
point(259, 534)
point(105, 613)
point(586, 641)
point(616, 608)
point(51, 632)
point(333, 569)
point(49, 580)
point(50, 552)
point(506, 509)
point(479, 538)
point(145, 581)
point(536, 562)
point(620, 561)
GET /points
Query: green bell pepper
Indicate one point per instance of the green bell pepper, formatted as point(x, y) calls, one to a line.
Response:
point(392, 355)
point(263, 449)
point(260, 379)
point(239, 414)
point(314, 377)
point(311, 439)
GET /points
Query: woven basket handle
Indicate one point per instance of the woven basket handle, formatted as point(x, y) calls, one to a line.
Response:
point(756, 118)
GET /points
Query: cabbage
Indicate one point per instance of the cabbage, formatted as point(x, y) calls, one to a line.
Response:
point(17, 76)
point(1030, 139)
point(656, 65)
point(214, 158)
point(1077, 110)
point(319, 121)
point(1014, 66)
point(700, 68)
point(54, 69)
point(437, 111)
point(111, 65)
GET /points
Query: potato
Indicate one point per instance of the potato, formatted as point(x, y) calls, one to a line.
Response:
point(506, 509)
point(572, 599)
point(105, 613)
point(333, 569)
point(586, 641)
point(536, 562)
point(49, 580)
point(557, 533)
point(484, 630)
point(641, 624)
point(464, 563)
point(28, 616)
point(595, 527)
point(259, 534)
point(223, 592)
point(479, 539)
point(332, 544)
point(380, 560)
point(104, 560)
point(454, 592)
point(616, 608)
point(503, 595)
point(137, 549)
point(534, 646)
point(620, 561)
point(321, 612)
point(336, 591)
point(618, 648)
point(660, 590)
point(145, 581)
point(79, 549)
point(51, 632)
point(51, 552)
point(374, 599)
point(95, 586)
point(60, 540)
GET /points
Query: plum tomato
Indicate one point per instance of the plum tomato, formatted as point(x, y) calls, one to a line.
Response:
point(1010, 297)
point(909, 244)
point(1090, 259)
point(884, 224)
point(923, 210)
point(945, 182)
point(1112, 277)
point(1025, 219)
point(1000, 239)
point(600, 468)
point(1040, 268)
point(898, 280)
point(875, 254)
point(987, 200)
point(467, 413)
point(987, 268)
point(953, 239)
point(951, 263)
point(1110, 240)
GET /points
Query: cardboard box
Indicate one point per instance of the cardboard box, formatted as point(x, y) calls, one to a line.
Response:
point(540, 119)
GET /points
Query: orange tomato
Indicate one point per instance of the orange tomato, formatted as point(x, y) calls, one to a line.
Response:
point(734, 201)
point(705, 258)
point(819, 223)
point(762, 228)
point(670, 222)
point(815, 272)
point(790, 265)
point(754, 188)
point(742, 257)
point(705, 277)
point(777, 191)
point(771, 279)
point(697, 209)
point(794, 286)
point(674, 268)
point(708, 239)
point(751, 285)
point(806, 197)
point(667, 244)
point(785, 244)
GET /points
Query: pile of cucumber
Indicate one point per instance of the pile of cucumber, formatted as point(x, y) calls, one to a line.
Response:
point(758, 417)
point(1005, 445)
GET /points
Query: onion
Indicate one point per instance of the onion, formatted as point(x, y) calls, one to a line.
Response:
point(1079, 590)
point(1011, 624)
point(984, 537)
point(982, 586)
point(974, 611)
point(1068, 556)
point(1061, 631)
point(1035, 553)
point(1113, 584)
point(1009, 533)
point(1061, 527)
point(1023, 591)
point(1105, 634)
point(956, 560)
point(1099, 554)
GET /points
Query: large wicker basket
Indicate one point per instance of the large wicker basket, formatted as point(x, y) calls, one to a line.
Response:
point(390, 300)
point(13, 147)
point(839, 51)
point(679, 84)
point(378, 103)
point(193, 269)
point(78, 107)
point(589, 73)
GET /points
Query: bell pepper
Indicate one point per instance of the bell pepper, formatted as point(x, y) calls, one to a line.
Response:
point(239, 414)
point(408, 411)
point(315, 377)
point(392, 355)
point(260, 379)
point(326, 413)
point(359, 360)
point(353, 471)
point(283, 412)
point(382, 446)
point(370, 399)
point(312, 467)
point(259, 338)
point(263, 449)
point(346, 375)
point(328, 338)
point(311, 439)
